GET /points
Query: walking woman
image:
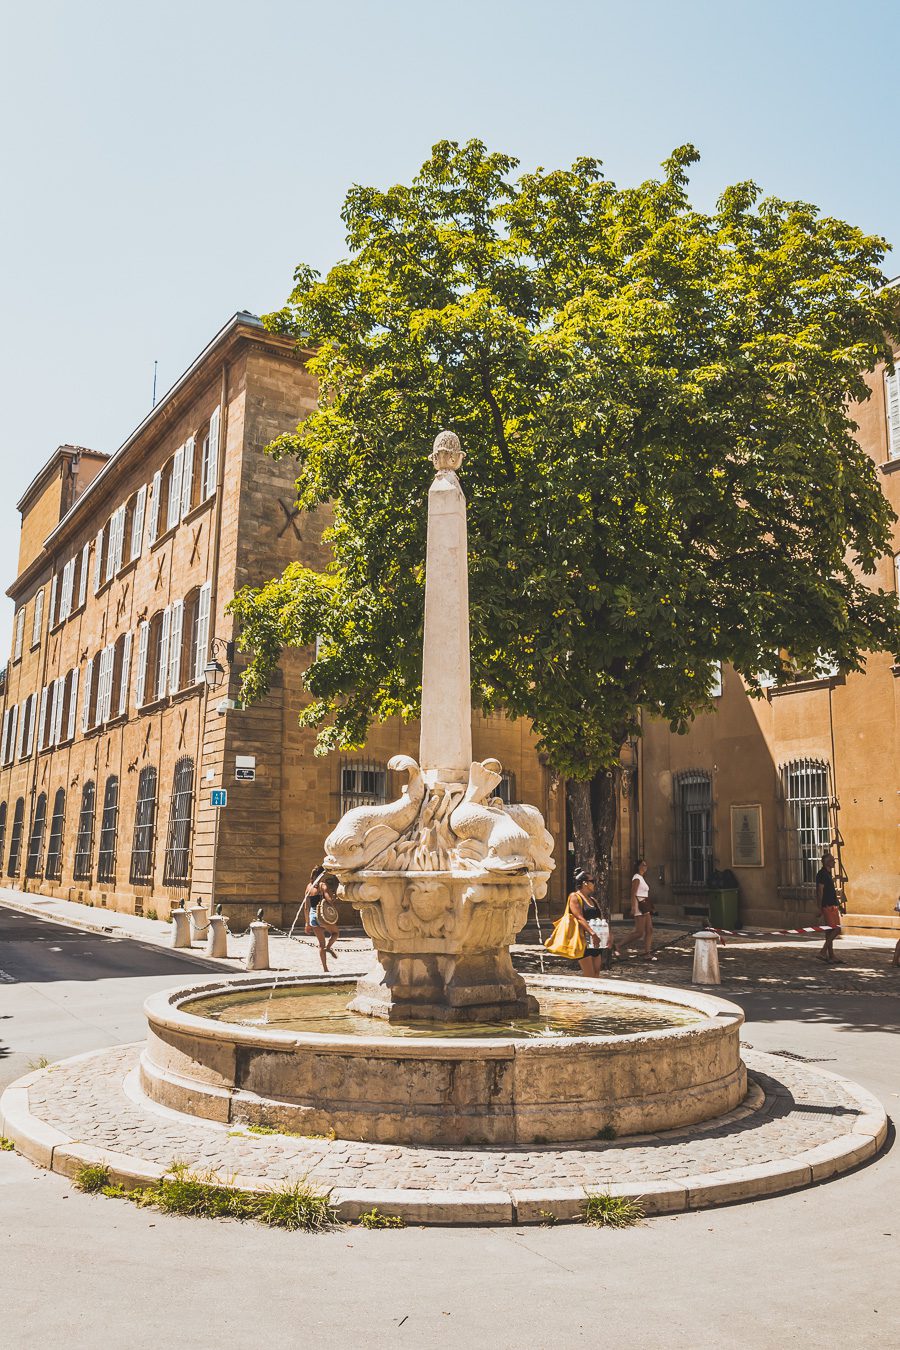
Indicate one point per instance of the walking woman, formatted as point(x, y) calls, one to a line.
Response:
point(641, 913)
point(327, 915)
point(314, 925)
point(580, 931)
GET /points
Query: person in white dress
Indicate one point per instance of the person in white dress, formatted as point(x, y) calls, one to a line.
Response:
point(641, 913)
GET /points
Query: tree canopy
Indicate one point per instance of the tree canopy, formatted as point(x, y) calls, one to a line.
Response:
point(661, 471)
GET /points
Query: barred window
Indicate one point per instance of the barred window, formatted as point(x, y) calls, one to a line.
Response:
point(362, 784)
point(36, 843)
point(15, 841)
point(177, 864)
point(2, 830)
point(106, 854)
point(805, 785)
point(53, 869)
point(144, 826)
point(84, 843)
point(693, 827)
point(506, 788)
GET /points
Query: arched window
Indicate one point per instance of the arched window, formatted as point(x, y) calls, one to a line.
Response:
point(15, 840)
point(2, 830)
point(36, 842)
point(53, 869)
point(693, 827)
point(84, 843)
point(177, 866)
point(106, 855)
point(144, 827)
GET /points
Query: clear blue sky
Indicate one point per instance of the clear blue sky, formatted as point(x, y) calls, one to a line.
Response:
point(166, 164)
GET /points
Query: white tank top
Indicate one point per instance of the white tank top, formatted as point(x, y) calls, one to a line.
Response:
point(643, 890)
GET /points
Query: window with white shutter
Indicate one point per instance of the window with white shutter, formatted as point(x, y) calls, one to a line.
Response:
point(187, 481)
point(60, 698)
point(715, 684)
point(212, 456)
point(201, 644)
point(86, 700)
point(42, 719)
point(98, 560)
point(13, 723)
point(126, 672)
point(173, 514)
point(82, 580)
point(73, 702)
point(104, 683)
point(137, 523)
point(162, 670)
point(141, 677)
point(29, 739)
point(19, 634)
point(3, 739)
point(38, 618)
point(155, 492)
point(23, 718)
point(892, 405)
point(65, 592)
point(175, 645)
point(114, 544)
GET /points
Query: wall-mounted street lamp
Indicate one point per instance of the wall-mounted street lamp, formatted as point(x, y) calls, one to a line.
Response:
point(214, 671)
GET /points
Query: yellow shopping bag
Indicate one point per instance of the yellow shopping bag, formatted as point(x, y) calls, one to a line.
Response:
point(567, 938)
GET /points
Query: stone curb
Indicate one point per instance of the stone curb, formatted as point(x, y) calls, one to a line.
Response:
point(49, 1148)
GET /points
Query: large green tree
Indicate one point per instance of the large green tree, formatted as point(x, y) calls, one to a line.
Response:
point(661, 467)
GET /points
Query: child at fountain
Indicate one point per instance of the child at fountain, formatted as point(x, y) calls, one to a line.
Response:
point(310, 903)
point(327, 916)
point(641, 912)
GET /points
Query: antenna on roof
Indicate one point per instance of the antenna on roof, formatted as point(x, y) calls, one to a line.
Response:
point(155, 364)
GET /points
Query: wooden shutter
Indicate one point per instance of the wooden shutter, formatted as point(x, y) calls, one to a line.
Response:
point(137, 523)
point(175, 645)
point(41, 720)
point(20, 633)
point(86, 702)
point(155, 490)
point(38, 618)
point(82, 581)
point(212, 459)
point(126, 672)
point(141, 677)
point(22, 720)
point(31, 720)
point(173, 515)
point(65, 593)
point(73, 701)
point(162, 673)
point(187, 480)
point(202, 646)
point(892, 403)
point(98, 560)
point(54, 585)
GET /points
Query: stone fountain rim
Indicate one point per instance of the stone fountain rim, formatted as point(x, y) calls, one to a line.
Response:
point(164, 1011)
point(490, 877)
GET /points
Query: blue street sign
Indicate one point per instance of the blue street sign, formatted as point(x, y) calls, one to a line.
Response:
point(219, 796)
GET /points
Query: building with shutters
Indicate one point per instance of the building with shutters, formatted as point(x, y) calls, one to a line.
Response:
point(112, 739)
point(761, 787)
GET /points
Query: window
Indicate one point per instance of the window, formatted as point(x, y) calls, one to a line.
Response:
point(121, 674)
point(693, 827)
point(177, 866)
point(70, 706)
point(144, 827)
point(362, 784)
point(84, 843)
point(116, 538)
point(2, 830)
point(15, 840)
point(83, 574)
point(89, 697)
point(210, 458)
point(38, 618)
point(36, 843)
point(10, 723)
point(26, 728)
point(892, 409)
point(200, 633)
point(42, 727)
point(140, 679)
point(53, 869)
point(52, 618)
point(106, 854)
point(807, 819)
point(506, 788)
point(715, 684)
point(100, 553)
point(134, 522)
point(66, 588)
point(19, 634)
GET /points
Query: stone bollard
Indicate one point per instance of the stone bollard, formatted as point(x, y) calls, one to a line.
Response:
point(181, 928)
point(258, 955)
point(199, 921)
point(217, 935)
point(706, 958)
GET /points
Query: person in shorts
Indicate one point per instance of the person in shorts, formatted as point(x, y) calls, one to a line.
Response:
point(641, 913)
point(311, 904)
point(586, 913)
point(829, 909)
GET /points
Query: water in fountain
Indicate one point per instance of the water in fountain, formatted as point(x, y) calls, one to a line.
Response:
point(537, 924)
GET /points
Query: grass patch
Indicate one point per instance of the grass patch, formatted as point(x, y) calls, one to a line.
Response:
point(42, 1062)
point(612, 1211)
point(608, 1133)
point(92, 1177)
point(151, 914)
point(288, 1134)
point(6, 1145)
point(548, 1218)
point(373, 1218)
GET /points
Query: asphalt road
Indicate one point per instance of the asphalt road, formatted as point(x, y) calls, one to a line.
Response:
point(815, 1269)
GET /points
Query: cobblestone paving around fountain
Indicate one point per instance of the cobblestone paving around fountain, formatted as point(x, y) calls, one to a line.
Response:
point(799, 1125)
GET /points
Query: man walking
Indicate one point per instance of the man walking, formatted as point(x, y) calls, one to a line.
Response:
point(826, 897)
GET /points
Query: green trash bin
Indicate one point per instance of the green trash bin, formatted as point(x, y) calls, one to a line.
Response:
point(723, 908)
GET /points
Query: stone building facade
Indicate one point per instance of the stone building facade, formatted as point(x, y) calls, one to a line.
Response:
point(113, 737)
point(761, 787)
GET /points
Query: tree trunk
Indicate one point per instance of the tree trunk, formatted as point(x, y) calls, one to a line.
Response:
point(593, 809)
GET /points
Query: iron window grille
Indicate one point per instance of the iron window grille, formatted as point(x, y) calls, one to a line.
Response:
point(53, 868)
point(177, 864)
point(807, 833)
point(15, 842)
point(36, 842)
point(106, 854)
point(506, 789)
point(363, 783)
point(693, 827)
point(144, 826)
point(84, 842)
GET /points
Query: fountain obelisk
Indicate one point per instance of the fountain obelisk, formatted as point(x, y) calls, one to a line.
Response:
point(445, 746)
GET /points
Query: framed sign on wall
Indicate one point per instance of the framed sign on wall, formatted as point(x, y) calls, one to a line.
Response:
point(746, 836)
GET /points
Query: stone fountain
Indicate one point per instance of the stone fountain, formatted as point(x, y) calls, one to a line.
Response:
point(443, 877)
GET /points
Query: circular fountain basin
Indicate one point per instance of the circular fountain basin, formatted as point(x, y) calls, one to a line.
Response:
point(631, 1057)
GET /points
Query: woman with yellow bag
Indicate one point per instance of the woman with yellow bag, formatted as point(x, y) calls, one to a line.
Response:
point(574, 934)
